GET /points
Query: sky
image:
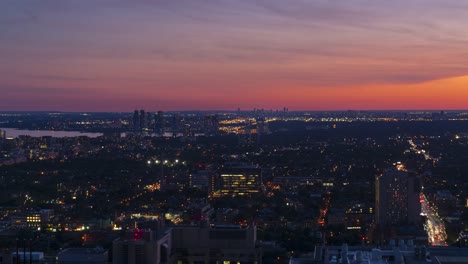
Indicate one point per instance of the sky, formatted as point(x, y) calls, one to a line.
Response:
point(116, 55)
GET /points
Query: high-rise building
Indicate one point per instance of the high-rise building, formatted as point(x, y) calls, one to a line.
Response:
point(211, 124)
point(176, 122)
point(2, 134)
point(142, 119)
point(149, 120)
point(262, 128)
point(237, 180)
point(397, 198)
point(188, 132)
point(159, 123)
point(136, 121)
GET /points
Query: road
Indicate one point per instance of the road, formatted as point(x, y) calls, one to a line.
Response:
point(434, 226)
point(416, 149)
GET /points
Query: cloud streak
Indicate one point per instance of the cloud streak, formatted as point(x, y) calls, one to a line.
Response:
point(175, 49)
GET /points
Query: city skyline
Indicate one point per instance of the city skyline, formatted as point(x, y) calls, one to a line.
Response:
point(225, 55)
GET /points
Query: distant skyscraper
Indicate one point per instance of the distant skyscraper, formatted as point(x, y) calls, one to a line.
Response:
point(211, 124)
point(142, 119)
point(136, 121)
point(397, 198)
point(188, 132)
point(2, 134)
point(149, 120)
point(176, 123)
point(262, 126)
point(159, 122)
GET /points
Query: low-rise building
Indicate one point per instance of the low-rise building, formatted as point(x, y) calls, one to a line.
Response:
point(216, 244)
point(83, 256)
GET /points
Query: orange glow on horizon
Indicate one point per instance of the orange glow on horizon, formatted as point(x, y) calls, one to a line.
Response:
point(451, 93)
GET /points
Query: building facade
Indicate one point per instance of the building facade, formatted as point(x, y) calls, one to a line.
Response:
point(149, 245)
point(397, 198)
point(239, 180)
point(215, 245)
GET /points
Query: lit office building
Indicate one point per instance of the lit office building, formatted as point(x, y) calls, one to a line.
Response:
point(239, 180)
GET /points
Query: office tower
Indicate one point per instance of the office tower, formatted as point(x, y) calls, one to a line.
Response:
point(215, 124)
point(397, 198)
point(2, 134)
point(262, 126)
point(142, 119)
point(136, 121)
point(175, 122)
point(159, 123)
point(239, 179)
point(211, 124)
point(149, 120)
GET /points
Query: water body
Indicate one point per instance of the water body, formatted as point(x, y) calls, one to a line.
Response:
point(13, 132)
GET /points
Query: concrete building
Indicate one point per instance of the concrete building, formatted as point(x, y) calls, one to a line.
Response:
point(211, 124)
point(404, 253)
point(397, 198)
point(83, 256)
point(27, 257)
point(216, 244)
point(148, 244)
point(201, 179)
point(6, 256)
point(358, 216)
point(136, 121)
point(448, 255)
point(159, 122)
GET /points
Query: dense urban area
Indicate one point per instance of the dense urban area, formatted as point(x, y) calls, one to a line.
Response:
point(258, 186)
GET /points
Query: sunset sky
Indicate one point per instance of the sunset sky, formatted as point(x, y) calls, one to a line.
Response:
point(115, 55)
